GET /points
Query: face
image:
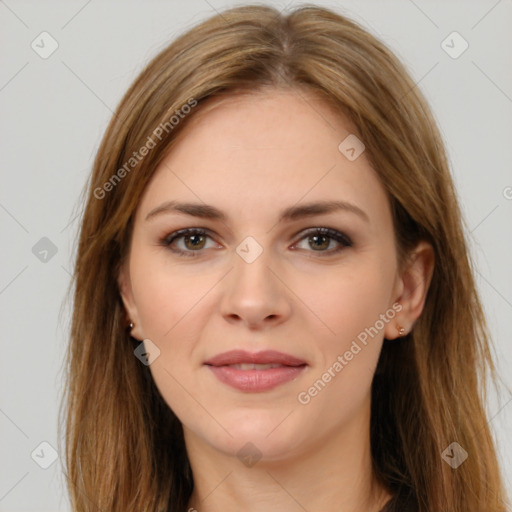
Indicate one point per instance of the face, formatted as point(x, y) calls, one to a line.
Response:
point(291, 249)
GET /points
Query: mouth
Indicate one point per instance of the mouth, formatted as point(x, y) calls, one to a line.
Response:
point(265, 357)
point(252, 366)
point(255, 372)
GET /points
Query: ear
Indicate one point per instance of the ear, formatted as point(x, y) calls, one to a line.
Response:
point(412, 286)
point(126, 292)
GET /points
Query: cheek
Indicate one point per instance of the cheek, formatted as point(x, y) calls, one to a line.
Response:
point(167, 297)
point(173, 308)
point(340, 382)
point(346, 302)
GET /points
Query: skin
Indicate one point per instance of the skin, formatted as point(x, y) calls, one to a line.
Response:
point(251, 156)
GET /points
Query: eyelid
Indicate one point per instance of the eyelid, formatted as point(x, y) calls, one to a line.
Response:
point(167, 240)
point(335, 234)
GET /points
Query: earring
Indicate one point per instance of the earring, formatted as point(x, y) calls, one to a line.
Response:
point(401, 330)
point(131, 326)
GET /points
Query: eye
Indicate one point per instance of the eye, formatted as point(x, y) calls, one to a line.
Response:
point(191, 240)
point(320, 239)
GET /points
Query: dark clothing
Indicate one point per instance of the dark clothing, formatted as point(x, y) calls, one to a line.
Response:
point(403, 501)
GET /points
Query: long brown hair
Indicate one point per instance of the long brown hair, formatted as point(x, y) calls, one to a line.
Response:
point(124, 446)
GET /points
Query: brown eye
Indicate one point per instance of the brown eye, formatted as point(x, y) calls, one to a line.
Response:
point(319, 242)
point(320, 239)
point(187, 242)
point(194, 242)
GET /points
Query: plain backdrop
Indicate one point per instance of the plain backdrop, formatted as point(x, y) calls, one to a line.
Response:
point(54, 111)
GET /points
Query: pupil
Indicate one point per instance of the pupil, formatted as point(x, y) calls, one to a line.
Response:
point(316, 238)
point(197, 241)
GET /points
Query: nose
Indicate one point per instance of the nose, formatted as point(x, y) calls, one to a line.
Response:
point(254, 294)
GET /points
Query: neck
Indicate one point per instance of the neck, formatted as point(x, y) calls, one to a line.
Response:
point(334, 474)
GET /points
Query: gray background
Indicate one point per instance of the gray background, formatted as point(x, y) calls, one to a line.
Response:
point(53, 114)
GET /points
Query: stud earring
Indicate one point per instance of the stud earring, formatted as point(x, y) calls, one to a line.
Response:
point(131, 326)
point(401, 330)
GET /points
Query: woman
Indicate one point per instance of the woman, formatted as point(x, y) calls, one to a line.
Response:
point(274, 307)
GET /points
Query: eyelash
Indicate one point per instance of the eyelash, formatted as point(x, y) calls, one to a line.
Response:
point(343, 239)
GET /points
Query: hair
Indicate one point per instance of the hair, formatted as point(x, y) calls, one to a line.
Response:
point(124, 445)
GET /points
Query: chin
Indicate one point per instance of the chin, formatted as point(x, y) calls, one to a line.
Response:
point(260, 434)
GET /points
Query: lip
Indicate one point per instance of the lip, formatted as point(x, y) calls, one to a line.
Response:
point(255, 380)
point(263, 357)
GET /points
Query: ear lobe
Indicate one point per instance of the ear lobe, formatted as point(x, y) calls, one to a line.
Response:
point(414, 284)
point(125, 290)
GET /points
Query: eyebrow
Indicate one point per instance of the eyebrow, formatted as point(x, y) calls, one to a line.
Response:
point(291, 213)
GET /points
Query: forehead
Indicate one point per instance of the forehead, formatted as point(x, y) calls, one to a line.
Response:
point(258, 152)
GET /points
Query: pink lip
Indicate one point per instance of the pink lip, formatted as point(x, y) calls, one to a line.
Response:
point(255, 380)
point(264, 357)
